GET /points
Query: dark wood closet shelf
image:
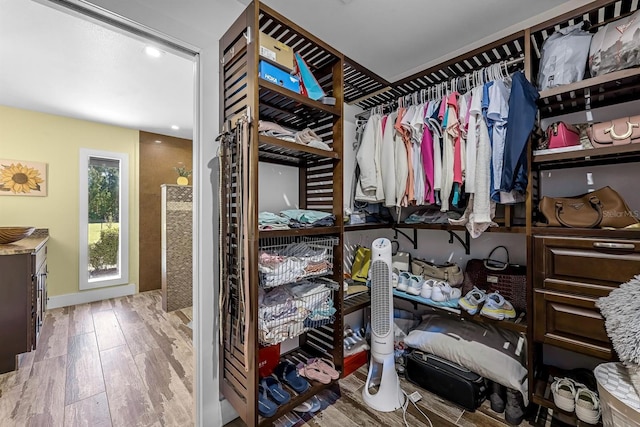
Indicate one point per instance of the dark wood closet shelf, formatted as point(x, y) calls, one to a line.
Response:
point(367, 226)
point(508, 324)
point(542, 396)
point(448, 227)
point(586, 232)
point(603, 155)
point(313, 231)
point(280, 96)
point(285, 152)
point(356, 302)
point(607, 89)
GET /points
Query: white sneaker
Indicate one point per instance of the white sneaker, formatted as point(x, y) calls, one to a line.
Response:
point(403, 281)
point(471, 302)
point(498, 308)
point(394, 277)
point(564, 393)
point(415, 285)
point(587, 406)
point(442, 292)
point(427, 288)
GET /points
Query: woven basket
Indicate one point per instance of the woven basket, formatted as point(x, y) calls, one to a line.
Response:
point(634, 374)
point(13, 234)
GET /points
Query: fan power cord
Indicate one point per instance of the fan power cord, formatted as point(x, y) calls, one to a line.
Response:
point(410, 398)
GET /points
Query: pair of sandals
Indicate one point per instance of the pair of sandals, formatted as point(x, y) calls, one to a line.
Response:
point(270, 396)
point(319, 369)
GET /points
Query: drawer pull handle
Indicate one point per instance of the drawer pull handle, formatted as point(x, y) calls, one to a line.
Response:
point(609, 245)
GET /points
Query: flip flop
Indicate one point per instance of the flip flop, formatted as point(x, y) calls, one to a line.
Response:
point(313, 373)
point(266, 408)
point(326, 366)
point(304, 407)
point(287, 373)
point(275, 390)
point(315, 404)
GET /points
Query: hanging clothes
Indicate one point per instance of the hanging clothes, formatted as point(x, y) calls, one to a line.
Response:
point(497, 115)
point(402, 167)
point(388, 165)
point(368, 157)
point(523, 109)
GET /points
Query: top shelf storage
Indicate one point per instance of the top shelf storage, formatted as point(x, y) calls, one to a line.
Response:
point(607, 89)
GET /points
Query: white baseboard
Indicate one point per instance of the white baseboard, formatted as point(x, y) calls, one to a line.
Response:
point(228, 412)
point(90, 296)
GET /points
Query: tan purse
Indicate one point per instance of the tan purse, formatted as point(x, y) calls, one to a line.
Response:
point(601, 208)
point(615, 132)
point(449, 272)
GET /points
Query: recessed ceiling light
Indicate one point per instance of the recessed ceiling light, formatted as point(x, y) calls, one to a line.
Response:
point(157, 141)
point(175, 127)
point(153, 52)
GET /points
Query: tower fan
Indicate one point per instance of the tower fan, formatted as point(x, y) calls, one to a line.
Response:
point(382, 390)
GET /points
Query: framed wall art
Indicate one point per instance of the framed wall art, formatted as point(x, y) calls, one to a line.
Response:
point(22, 178)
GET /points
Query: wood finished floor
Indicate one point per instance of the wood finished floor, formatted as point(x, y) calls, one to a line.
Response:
point(342, 406)
point(119, 362)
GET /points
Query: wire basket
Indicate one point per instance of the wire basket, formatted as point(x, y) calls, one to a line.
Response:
point(288, 311)
point(291, 260)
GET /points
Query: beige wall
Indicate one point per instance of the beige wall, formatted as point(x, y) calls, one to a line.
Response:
point(27, 135)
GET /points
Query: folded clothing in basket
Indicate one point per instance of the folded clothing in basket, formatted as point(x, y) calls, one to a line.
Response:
point(288, 311)
point(287, 264)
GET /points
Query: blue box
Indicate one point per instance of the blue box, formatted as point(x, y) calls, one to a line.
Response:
point(275, 75)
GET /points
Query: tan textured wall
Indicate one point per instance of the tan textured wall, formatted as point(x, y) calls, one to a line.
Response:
point(177, 241)
point(157, 161)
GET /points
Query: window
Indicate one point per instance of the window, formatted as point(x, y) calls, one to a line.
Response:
point(104, 219)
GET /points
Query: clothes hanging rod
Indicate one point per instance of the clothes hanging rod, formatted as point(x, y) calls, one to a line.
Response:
point(507, 63)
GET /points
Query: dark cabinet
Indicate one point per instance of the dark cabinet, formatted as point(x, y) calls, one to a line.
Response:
point(570, 274)
point(23, 296)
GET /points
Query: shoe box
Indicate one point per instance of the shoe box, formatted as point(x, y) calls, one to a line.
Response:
point(276, 52)
point(278, 76)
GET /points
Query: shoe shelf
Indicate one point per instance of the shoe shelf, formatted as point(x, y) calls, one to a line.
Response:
point(519, 324)
point(589, 157)
point(542, 396)
point(276, 150)
point(295, 357)
point(312, 231)
point(356, 302)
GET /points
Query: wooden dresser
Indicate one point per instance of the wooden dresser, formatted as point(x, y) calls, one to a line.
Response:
point(570, 274)
point(23, 296)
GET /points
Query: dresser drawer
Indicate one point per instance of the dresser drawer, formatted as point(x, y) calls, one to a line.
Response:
point(572, 322)
point(589, 266)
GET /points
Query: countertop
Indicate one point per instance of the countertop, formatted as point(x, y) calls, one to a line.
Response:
point(27, 245)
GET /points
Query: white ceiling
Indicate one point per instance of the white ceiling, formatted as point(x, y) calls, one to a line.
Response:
point(57, 63)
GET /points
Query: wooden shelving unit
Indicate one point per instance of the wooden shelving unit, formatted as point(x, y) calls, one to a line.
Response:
point(542, 396)
point(357, 302)
point(320, 183)
point(603, 155)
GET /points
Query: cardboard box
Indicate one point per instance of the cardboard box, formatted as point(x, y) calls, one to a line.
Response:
point(278, 76)
point(354, 362)
point(276, 51)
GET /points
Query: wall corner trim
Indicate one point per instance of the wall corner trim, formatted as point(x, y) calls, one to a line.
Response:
point(90, 296)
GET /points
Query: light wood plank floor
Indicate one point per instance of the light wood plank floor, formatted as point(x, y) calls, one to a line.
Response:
point(119, 362)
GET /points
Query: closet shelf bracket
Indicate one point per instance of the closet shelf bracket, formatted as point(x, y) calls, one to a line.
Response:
point(466, 243)
point(414, 241)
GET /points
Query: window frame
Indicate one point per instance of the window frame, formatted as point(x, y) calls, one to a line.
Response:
point(85, 283)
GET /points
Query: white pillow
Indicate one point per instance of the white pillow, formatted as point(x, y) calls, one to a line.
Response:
point(496, 354)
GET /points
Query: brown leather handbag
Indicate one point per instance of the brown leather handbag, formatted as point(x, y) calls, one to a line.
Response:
point(615, 132)
point(601, 208)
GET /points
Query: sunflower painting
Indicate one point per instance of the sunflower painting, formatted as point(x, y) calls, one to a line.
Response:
point(20, 178)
